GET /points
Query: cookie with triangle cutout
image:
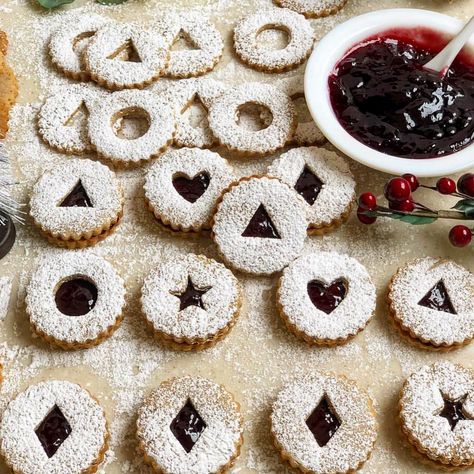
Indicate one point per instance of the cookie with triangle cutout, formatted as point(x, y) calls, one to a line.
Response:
point(77, 203)
point(431, 303)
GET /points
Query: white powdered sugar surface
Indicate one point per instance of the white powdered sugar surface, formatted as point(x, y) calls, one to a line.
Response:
point(313, 8)
point(5, 296)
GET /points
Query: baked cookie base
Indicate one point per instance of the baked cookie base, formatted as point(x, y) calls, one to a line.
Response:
point(319, 13)
point(8, 87)
point(333, 225)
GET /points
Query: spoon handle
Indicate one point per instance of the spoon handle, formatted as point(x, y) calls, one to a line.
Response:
point(443, 60)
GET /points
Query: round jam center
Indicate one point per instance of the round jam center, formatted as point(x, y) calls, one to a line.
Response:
point(384, 98)
point(76, 297)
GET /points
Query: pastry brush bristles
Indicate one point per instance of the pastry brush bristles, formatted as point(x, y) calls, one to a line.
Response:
point(8, 204)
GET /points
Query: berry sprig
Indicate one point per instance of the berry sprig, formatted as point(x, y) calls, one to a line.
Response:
point(402, 206)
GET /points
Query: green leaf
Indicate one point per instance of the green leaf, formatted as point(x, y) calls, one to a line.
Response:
point(466, 206)
point(50, 4)
point(110, 2)
point(413, 219)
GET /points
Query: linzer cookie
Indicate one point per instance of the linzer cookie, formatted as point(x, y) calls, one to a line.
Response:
point(8, 86)
point(436, 412)
point(325, 182)
point(183, 186)
point(191, 302)
point(431, 301)
point(77, 204)
point(203, 44)
point(326, 298)
point(75, 300)
point(54, 426)
point(68, 43)
point(106, 122)
point(313, 8)
point(324, 423)
point(122, 56)
point(224, 119)
point(301, 39)
point(190, 425)
point(260, 225)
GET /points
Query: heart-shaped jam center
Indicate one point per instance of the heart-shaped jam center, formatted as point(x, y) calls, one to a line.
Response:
point(327, 297)
point(191, 189)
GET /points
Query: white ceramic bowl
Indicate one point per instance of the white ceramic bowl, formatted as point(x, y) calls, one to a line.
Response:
point(330, 51)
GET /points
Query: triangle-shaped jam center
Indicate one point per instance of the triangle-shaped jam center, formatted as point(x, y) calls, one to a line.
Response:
point(78, 197)
point(261, 226)
point(438, 299)
point(127, 52)
point(308, 185)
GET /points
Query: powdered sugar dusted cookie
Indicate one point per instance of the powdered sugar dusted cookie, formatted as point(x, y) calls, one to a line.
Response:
point(54, 426)
point(325, 182)
point(123, 56)
point(191, 302)
point(190, 425)
point(75, 300)
point(326, 298)
point(301, 40)
point(204, 41)
point(68, 43)
point(437, 415)
point(260, 225)
point(431, 301)
point(153, 139)
point(183, 186)
point(77, 201)
point(313, 8)
point(224, 119)
point(324, 423)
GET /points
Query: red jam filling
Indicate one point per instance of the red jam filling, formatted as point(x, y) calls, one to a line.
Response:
point(384, 98)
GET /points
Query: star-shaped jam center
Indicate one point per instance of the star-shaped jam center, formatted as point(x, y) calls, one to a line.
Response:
point(192, 296)
point(453, 411)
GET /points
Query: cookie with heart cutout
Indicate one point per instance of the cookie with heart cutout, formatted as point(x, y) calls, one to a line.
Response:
point(436, 414)
point(313, 8)
point(323, 179)
point(431, 303)
point(326, 298)
point(183, 186)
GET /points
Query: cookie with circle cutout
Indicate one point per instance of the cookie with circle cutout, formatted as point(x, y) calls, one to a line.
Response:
point(326, 298)
point(436, 412)
point(324, 423)
point(54, 426)
point(431, 303)
point(191, 302)
point(300, 40)
point(183, 186)
point(224, 119)
point(324, 181)
point(190, 425)
point(75, 300)
point(260, 225)
point(77, 203)
point(203, 44)
point(313, 8)
point(70, 40)
point(154, 129)
point(124, 56)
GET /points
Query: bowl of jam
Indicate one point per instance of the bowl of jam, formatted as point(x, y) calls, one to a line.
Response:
point(368, 92)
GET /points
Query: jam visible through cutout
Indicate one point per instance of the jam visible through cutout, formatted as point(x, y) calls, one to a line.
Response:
point(308, 185)
point(453, 411)
point(191, 189)
point(76, 297)
point(323, 422)
point(192, 296)
point(438, 298)
point(78, 197)
point(53, 431)
point(188, 426)
point(261, 226)
point(327, 297)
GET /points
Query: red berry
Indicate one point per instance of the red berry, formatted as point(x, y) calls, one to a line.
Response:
point(407, 205)
point(397, 190)
point(466, 184)
point(363, 218)
point(367, 201)
point(446, 186)
point(412, 180)
point(460, 236)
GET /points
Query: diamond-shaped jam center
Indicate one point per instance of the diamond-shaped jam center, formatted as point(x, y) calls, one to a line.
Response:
point(308, 185)
point(53, 431)
point(188, 426)
point(323, 422)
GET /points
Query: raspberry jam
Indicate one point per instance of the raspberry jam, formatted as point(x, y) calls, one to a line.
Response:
point(384, 98)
